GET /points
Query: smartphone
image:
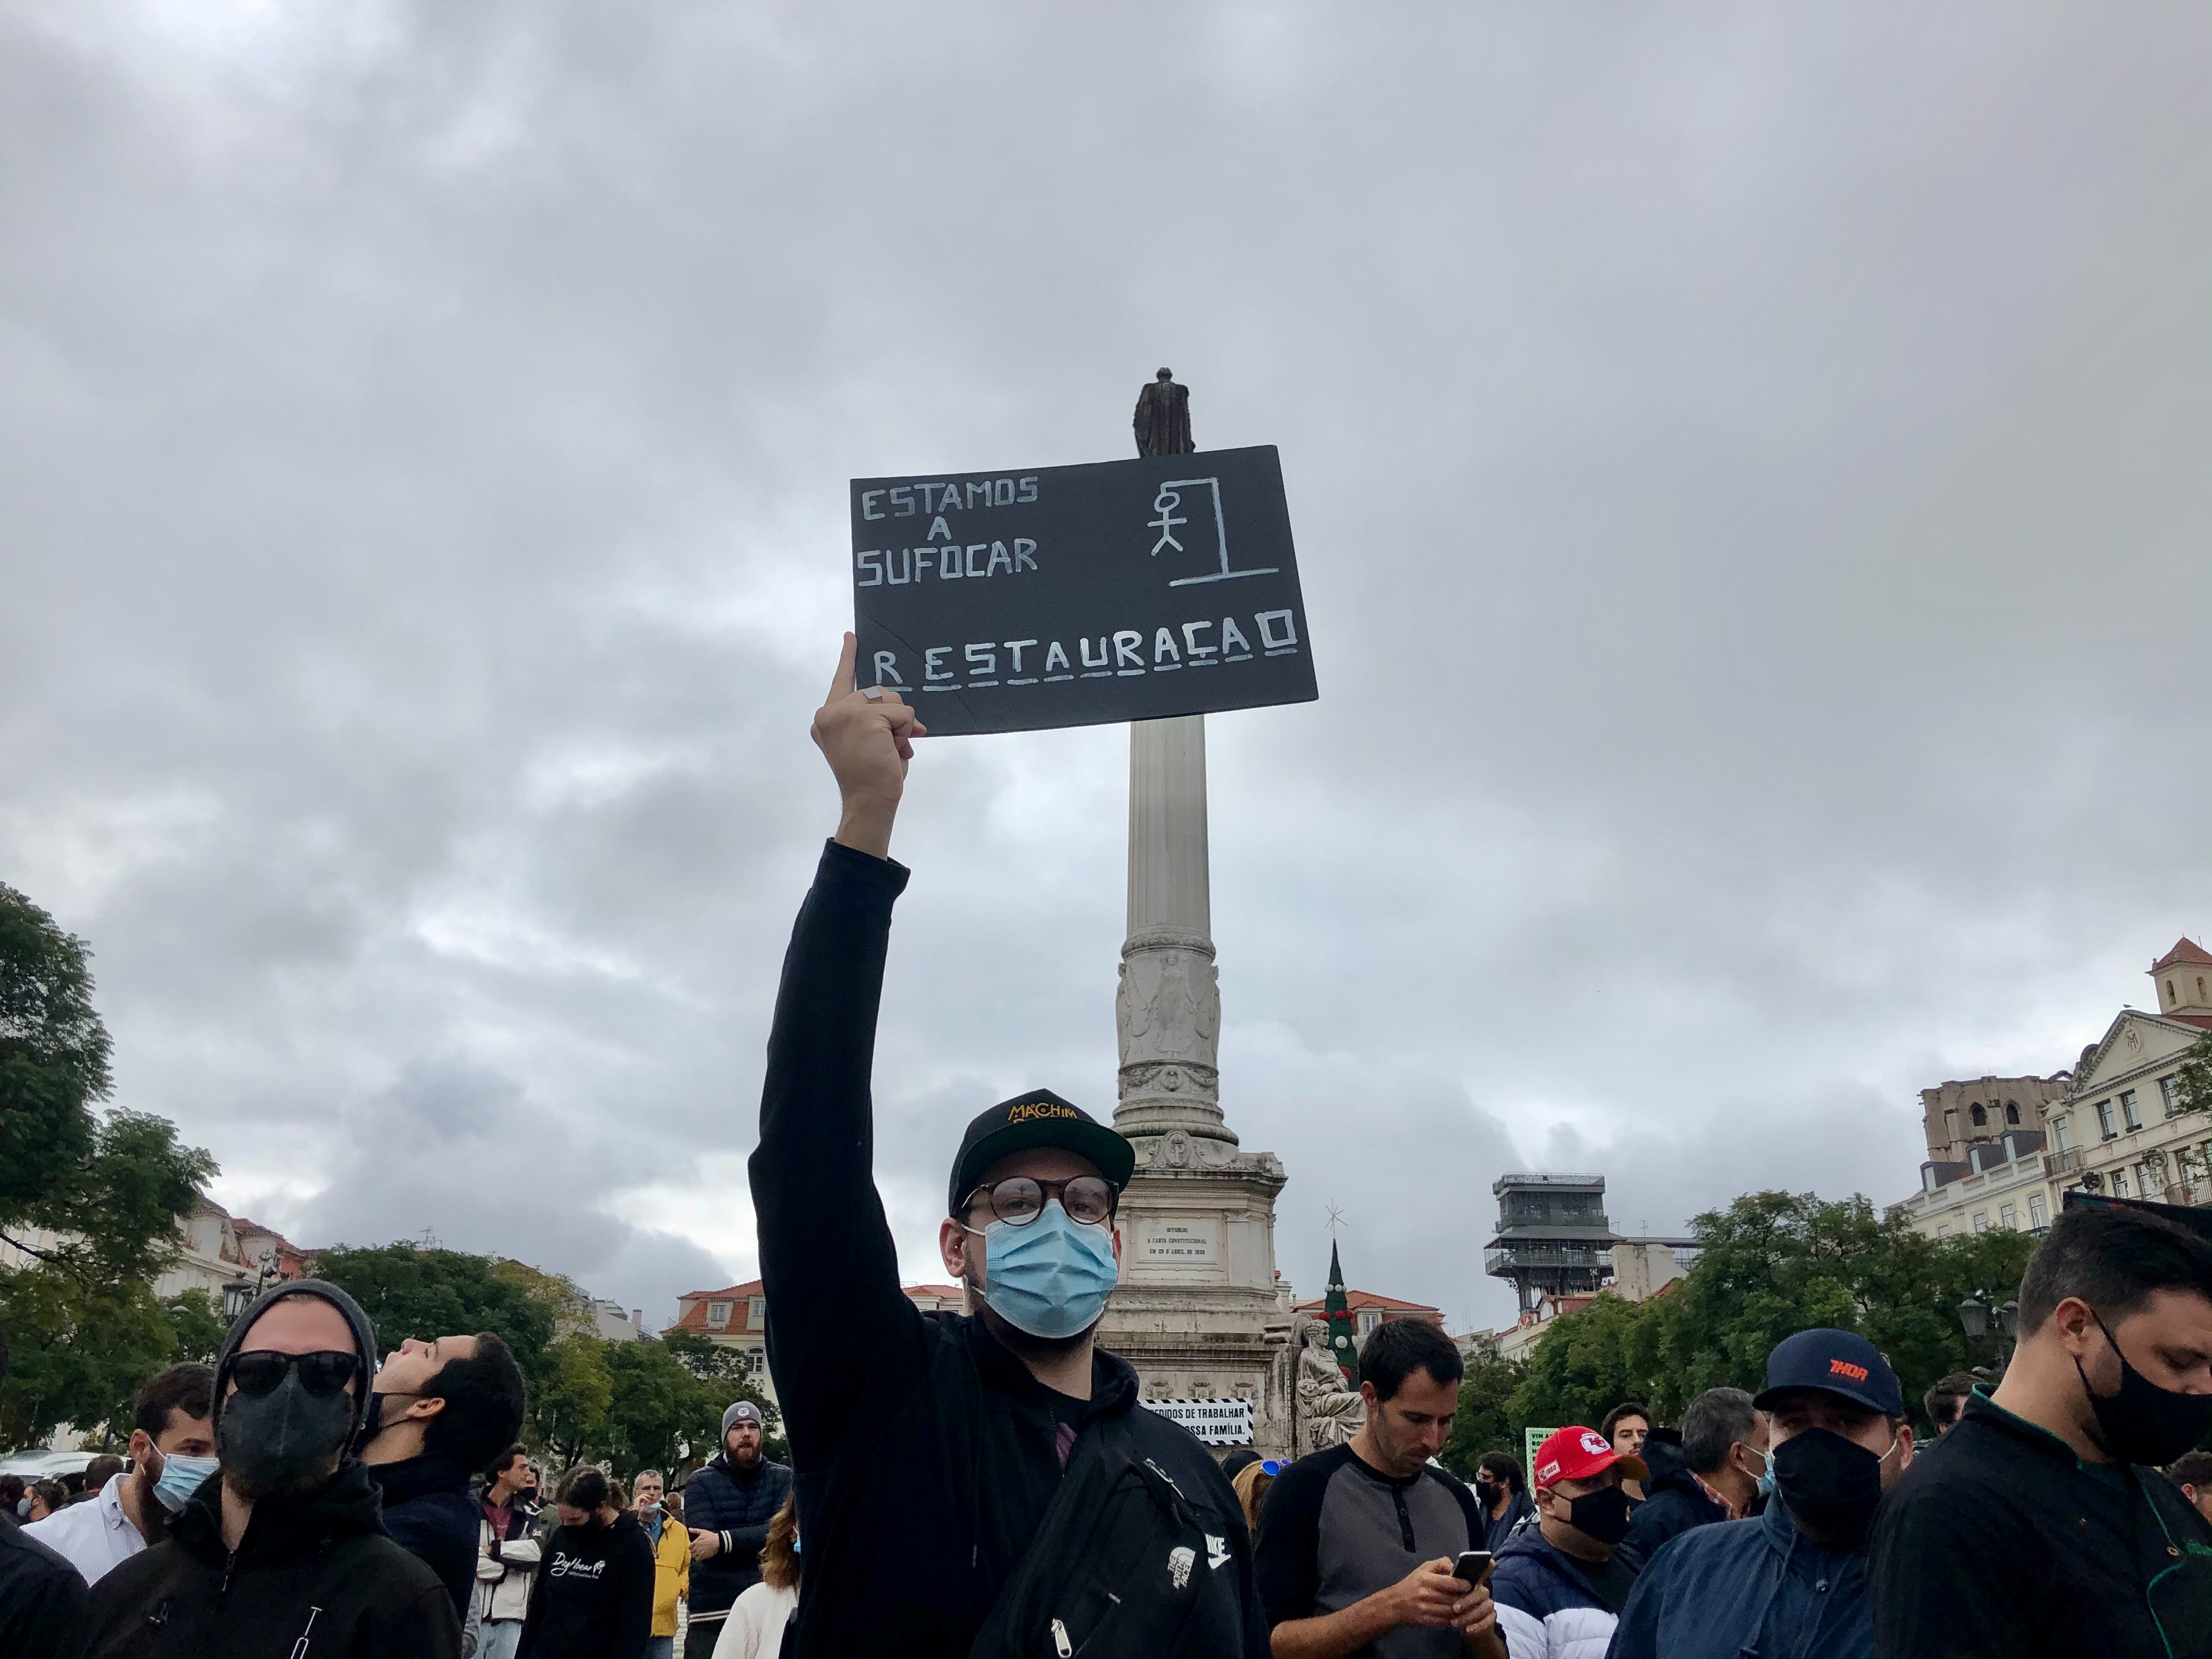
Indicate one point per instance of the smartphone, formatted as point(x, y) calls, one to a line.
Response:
point(1473, 1567)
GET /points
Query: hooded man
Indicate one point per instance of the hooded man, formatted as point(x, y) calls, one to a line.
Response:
point(931, 1449)
point(441, 1409)
point(282, 1551)
point(728, 1505)
point(172, 1451)
point(1794, 1581)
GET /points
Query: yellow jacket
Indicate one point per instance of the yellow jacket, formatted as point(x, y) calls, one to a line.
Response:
point(672, 1572)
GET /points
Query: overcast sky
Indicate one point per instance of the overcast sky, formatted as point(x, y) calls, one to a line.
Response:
point(1749, 466)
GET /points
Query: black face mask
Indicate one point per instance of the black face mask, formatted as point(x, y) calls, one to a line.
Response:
point(2144, 1423)
point(282, 1439)
point(1829, 1484)
point(1602, 1516)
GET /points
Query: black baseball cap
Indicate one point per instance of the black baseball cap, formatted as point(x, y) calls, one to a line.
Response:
point(1835, 1362)
point(1039, 1118)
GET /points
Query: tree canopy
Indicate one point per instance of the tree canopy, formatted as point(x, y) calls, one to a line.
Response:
point(1770, 1265)
point(90, 1199)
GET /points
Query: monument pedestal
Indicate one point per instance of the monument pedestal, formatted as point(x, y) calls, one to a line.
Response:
point(1198, 1312)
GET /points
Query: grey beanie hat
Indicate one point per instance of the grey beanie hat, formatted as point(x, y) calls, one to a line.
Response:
point(741, 1411)
point(364, 1338)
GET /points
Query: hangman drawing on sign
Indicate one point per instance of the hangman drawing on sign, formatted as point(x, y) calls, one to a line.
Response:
point(1165, 502)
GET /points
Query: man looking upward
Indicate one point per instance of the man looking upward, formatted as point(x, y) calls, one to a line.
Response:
point(930, 1448)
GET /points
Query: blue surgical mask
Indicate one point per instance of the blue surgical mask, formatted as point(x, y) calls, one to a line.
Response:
point(1050, 1278)
point(180, 1477)
point(1766, 1472)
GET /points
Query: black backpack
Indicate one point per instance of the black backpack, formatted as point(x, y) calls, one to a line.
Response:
point(1122, 1567)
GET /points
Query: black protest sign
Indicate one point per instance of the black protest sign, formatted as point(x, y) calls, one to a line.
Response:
point(1011, 601)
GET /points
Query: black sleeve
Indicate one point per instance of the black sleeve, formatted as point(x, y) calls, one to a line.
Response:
point(1923, 1607)
point(1286, 1560)
point(633, 1626)
point(748, 1542)
point(841, 1336)
point(39, 1601)
point(534, 1616)
point(425, 1628)
point(432, 1536)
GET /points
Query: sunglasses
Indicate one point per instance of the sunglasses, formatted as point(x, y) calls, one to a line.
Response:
point(325, 1371)
point(1273, 1467)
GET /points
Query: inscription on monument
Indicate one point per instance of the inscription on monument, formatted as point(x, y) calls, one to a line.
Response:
point(1164, 1243)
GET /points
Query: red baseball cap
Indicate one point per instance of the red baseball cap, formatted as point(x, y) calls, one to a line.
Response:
point(1575, 1453)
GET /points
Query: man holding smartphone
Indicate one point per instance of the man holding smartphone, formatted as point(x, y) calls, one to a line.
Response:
point(1362, 1546)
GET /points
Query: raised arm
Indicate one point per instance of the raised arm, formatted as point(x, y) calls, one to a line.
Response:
point(838, 1327)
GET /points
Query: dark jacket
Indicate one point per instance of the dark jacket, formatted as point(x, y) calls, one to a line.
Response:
point(40, 1594)
point(314, 1576)
point(429, 1513)
point(1547, 1608)
point(725, 1500)
point(1520, 1511)
point(1673, 1503)
point(925, 1451)
point(593, 1597)
point(1758, 1587)
point(2066, 1556)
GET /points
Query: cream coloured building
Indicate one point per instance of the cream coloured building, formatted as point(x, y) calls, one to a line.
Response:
point(2110, 1125)
point(2118, 1132)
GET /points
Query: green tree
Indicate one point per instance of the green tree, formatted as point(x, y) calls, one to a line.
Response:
point(53, 1058)
point(195, 1325)
point(567, 1410)
point(2194, 1080)
point(1770, 1265)
point(1485, 1421)
point(721, 1369)
point(410, 1289)
point(90, 1199)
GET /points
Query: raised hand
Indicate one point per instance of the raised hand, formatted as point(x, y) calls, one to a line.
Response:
point(866, 736)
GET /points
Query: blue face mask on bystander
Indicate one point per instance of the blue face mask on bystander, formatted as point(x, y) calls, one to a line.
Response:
point(180, 1477)
point(1051, 1277)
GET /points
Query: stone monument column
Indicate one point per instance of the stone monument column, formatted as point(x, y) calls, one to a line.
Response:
point(1200, 1312)
point(1169, 1007)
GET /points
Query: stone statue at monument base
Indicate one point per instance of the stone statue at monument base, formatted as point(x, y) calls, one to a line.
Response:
point(1329, 1412)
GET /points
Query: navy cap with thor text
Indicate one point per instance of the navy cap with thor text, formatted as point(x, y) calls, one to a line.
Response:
point(1835, 1362)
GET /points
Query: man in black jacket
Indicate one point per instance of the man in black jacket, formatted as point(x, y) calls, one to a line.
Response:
point(929, 1447)
point(728, 1505)
point(281, 1550)
point(441, 1409)
point(2079, 1544)
point(1715, 1478)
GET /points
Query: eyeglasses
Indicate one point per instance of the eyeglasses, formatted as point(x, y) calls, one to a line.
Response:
point(1017, 1200)
point(324, 1371)
point(1272, 1468)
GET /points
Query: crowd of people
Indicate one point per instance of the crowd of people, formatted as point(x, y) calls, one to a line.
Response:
point(988, 1484)
point(301, 1498)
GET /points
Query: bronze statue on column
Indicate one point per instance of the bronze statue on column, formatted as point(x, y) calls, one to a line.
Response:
point(1163, 420)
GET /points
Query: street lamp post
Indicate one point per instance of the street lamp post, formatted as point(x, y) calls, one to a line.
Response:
point(242, 1292)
